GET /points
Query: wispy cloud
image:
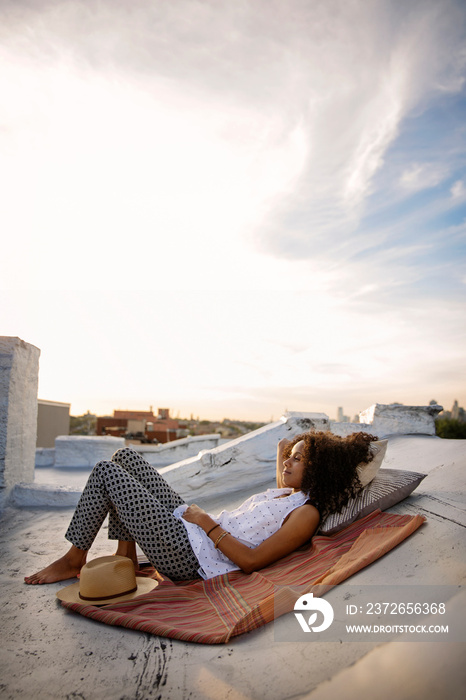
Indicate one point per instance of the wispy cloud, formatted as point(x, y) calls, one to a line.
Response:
point(458, 191)
point(420, 176)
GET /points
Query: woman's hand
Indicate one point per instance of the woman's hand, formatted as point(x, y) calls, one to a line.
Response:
point(284, 442)
point(194, 514)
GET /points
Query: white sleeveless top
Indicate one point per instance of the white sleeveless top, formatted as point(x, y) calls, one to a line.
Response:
point(251, 523)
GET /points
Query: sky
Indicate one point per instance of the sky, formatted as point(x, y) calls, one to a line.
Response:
point(233, 209)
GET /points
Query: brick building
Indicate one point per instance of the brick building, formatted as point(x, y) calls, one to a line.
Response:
point(150, 427)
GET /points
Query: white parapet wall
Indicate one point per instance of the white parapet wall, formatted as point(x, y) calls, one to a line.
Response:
point(45, 456)
point(397, 419)
point(43, 495)
point(247, 462)
point(345, 429)
point(87, 450)
point(177, 450)
point(19, 371)
point(84, 450)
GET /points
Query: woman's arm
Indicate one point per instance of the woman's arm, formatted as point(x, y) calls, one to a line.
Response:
point(280, 449)
point(297, 529)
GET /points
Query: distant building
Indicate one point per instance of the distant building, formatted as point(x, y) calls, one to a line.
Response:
point(53, 419)
point(457, 413)
point(141, 425)
point(341, 416)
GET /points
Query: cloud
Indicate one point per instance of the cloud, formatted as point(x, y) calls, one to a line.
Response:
point(359, 114)
point(458, 190)
point(421, 176)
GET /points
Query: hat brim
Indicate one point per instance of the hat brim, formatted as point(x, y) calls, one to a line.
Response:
point(70, 594)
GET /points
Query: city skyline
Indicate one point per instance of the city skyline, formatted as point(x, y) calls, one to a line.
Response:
point(455, 411)
point(236, 208)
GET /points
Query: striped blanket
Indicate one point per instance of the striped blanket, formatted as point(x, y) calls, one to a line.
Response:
point(214, 611)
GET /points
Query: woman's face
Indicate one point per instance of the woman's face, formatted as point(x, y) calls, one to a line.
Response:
point(293, 467)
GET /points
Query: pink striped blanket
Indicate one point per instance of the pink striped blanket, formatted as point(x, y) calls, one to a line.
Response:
point(214, 611)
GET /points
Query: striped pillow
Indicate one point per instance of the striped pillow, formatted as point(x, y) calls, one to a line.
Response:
point(389, 486)
point(368, 470)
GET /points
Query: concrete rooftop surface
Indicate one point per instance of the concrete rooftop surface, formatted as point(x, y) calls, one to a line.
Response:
point(48, 652)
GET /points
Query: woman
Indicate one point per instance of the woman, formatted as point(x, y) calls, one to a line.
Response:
point(316, 475)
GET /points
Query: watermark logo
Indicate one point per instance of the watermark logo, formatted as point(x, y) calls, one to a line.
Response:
point(307, 603)
point(360, 613)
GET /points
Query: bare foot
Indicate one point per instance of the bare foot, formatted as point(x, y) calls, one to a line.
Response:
point(60, 570)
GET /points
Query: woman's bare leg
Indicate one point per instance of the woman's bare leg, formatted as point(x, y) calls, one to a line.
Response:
point(128, 549)
point(68, 566)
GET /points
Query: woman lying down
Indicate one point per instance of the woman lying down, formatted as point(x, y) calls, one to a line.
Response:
point(316, 475)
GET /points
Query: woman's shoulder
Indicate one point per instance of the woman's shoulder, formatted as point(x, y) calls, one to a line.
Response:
point(308, 510)
point(304, 516)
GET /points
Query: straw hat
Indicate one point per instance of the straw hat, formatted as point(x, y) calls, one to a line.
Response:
point(106, 580)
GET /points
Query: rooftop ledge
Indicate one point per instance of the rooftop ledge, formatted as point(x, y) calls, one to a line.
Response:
point(199, 467)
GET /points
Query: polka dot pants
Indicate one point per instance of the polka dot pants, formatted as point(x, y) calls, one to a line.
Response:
point(140, 506)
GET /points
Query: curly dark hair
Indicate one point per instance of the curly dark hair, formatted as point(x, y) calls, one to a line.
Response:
point(330, 477)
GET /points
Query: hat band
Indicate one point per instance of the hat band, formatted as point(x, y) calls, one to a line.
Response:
point(108, 597)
